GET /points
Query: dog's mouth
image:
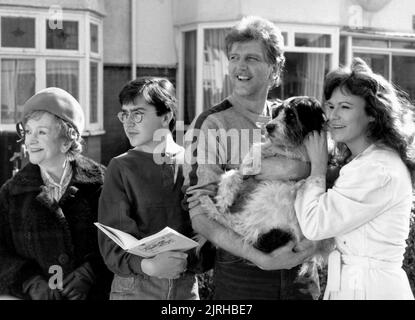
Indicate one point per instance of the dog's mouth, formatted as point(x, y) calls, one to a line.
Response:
point(280, 142)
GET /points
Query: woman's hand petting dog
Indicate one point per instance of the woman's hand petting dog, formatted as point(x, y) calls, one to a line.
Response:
point(288, 256)
point(169, 265)
point(282, 168)
point(316, 145)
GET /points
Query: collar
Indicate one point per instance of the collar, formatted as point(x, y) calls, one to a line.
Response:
point(53, 188)
point(66, 176)
point(171, 148)
point(85, 171)
point(364, 152)
point(262, 117)
point(267, 112)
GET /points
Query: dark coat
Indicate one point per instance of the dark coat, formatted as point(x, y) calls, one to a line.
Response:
point(36, 232)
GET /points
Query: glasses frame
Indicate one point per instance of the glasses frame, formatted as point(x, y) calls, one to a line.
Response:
point(132, 115)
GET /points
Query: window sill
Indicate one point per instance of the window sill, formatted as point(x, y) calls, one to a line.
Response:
point(90, 133)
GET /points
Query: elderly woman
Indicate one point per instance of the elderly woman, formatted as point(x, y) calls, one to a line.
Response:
point(48, 243)
point(368, 209)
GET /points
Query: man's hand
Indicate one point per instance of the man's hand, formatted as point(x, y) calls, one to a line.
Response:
point(77, 284)
point(38, 289)
point(287, 257)
point(167, 265)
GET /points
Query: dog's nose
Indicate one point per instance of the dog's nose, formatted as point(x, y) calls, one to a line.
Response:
point(270, 127)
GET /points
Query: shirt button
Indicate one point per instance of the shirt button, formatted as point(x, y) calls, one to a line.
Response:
point(63, 259)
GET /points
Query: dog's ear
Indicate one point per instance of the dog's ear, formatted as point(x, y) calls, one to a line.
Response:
point(311, 115)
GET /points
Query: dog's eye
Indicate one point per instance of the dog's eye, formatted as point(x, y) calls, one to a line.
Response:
point(289, 116)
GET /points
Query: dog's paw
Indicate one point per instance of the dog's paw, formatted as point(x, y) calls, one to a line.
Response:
point(229, 187)
point(251, 164)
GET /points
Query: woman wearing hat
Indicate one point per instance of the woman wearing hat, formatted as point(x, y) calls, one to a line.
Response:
point(48, 243)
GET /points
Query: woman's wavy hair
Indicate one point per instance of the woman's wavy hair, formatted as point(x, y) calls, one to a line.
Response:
point(257, 28)
point(393, 114)
point(65, 131)
point(159, 92)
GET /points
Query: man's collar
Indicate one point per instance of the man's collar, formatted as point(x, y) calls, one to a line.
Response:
point(172, 148)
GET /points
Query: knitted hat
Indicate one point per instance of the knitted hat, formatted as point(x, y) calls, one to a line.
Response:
point(58, 102)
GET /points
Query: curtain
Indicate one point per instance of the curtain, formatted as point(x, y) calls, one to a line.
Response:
point(316, 66)
point(189, 102)
point(216, 84)
point(93, 92)
point(17, 85)
point(64, 75)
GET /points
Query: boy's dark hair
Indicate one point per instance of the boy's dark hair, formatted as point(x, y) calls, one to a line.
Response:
point(159, 92)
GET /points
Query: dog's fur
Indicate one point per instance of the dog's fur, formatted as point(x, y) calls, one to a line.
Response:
point(262, 212)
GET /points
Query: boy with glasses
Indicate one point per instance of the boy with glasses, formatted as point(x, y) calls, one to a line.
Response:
point(142, 195)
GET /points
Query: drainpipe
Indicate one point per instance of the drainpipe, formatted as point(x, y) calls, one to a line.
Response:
point(133, 40)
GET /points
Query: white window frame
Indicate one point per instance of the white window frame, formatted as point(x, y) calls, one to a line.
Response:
point(83, 55)
point(351, 50)
point(290, 29)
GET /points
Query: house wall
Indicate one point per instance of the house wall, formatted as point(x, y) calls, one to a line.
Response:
point(395, 16)
point(97, 6)
point(117, 32)
point(154, 33)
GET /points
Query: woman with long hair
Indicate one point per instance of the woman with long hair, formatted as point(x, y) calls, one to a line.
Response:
point(368, 209)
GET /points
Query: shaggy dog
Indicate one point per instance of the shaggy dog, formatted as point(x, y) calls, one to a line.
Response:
point(262, 212)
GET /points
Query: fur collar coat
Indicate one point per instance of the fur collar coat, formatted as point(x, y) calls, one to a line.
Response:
point(38, 234)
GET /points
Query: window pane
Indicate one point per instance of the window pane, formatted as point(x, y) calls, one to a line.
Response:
point(216, 84)
point(18, 32)
point(361, 42)
point(403, 44)
point(189, 76)
point(17, 85)
point(403, 70)
point(94, 38)
point(303, 75)
point(93, 93)
point(378, 62)
point(342, 50)
point(63, 74)
point(65, 38)
point(312, 40)
point(285, 36)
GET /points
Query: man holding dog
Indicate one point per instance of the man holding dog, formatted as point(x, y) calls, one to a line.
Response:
point(256, 59)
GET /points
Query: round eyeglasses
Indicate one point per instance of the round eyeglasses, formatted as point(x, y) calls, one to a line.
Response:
point(135, 116)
